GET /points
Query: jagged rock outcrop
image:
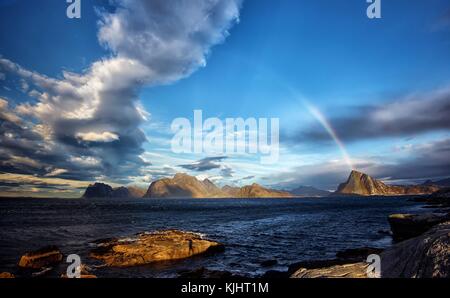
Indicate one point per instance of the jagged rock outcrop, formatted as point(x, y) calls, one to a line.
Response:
point(41, 258)
point(405, 226)
point(147, 248)
point(7, 275)
point(362, 184)
point(425, 256)
point(185, 186)
point(102, 190)
point(309, 191)
point(351, 270)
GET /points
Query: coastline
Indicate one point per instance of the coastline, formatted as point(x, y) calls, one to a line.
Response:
point(194, 266)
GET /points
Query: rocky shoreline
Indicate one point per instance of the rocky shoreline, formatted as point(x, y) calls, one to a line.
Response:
point(421, 249)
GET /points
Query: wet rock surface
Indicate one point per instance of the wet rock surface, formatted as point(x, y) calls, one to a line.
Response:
point(42, 258)
point(6, 275)
point(425, 256)
point(405, 226)
point(152, 247)
point(352, 270)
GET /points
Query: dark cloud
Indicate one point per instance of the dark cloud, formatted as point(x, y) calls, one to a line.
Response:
point(86, 126)
point(226, 172)
point(205, 164)
point(420, 162)
point(415, 114)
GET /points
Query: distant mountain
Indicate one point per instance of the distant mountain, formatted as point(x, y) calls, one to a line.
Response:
point(182, 186)
point(440, 183)
point(257, 191)
point(185, 186)
point(98, 190)
point(102, 190)
point(231, 190)
point(362, 184)
point(309, 191)
point(136, 192)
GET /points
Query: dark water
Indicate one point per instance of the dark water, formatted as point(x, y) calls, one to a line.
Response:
point(253, 230)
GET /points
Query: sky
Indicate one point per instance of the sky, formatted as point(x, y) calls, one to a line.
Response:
point(93, 99)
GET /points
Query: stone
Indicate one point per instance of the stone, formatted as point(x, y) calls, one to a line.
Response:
point(425, 256)
point(85, 272)
point(44, 257)
point(352, 270)
point(405, 226)
point(6, 275)
point(152, 247)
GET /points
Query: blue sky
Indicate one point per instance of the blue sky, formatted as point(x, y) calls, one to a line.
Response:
point(370, 79)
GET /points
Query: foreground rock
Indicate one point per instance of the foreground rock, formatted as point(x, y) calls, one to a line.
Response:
point(362, 184)
point(355, 270)
point(405, 226)
point(349, 263)
point(42, 258)
point(146, 248)
point(85, 272)
point(425, 256)
point(6, 275)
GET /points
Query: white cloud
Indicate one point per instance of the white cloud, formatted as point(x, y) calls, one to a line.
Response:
point(105, 136)
point(152, 42)
point(56, 172)
point(171, 38)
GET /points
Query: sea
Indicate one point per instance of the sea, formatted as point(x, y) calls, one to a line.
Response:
point(252, 230)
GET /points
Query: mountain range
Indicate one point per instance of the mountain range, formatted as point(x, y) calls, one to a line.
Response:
point(186, 186)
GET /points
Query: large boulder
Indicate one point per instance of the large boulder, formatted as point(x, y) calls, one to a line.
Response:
point(44, 257)
point(146, 248)
point(405, 226)
point(425, 256)
point(352, 270)
point(349, 263)
point(6, 275)
point(85, 272)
